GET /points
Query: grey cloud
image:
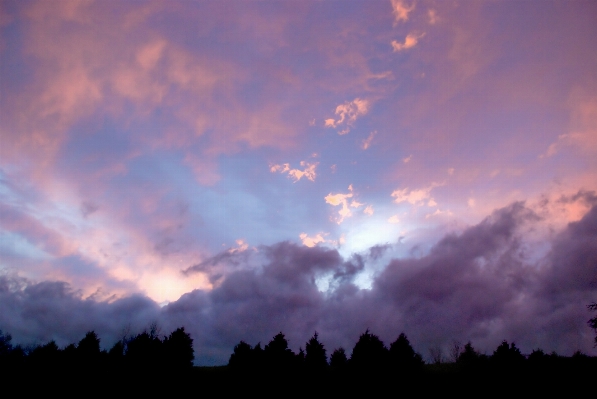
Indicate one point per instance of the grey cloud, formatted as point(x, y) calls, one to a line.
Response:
point(573, 259)
point(234, 258)
point(478, 285)
point(39, 312)
point(88, 207)
point(588, 197)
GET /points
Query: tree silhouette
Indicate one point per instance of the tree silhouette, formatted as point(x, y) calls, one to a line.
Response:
point(45, 356)
point(507, 356)
point(469, 359)
point(88, 349)
point(116, 352)
point(7, 351)
point(242, 357)
point(144, 351)
point(178, 348)
point(277, 354)
point(369, 352)
point(338, 359)
point(316, 358)
point(5, 345)
point(299, 359)
point(403, 356)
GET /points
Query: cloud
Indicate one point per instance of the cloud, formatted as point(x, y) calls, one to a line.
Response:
point(407, 159)
point(368, 210)
point(394, 219)
point(401, 10)
point(480, 285)
point(88, 207)
point(312, 241)
point(415, 197)
point(355, 204)
point(367, 142)
point(410, 41)
point(438, 213)
point(342, 200)
point(347, 114)
point(296, 174)
point(230, 257)
point(432, 15)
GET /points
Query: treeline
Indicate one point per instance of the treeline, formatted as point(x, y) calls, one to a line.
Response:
point(149, 361)
point(370, 354)
point(143, 351)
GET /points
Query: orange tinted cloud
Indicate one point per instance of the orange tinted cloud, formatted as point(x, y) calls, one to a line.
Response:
point(410, 41)
point(401, 10)
point(297, 174)
point(347, 114)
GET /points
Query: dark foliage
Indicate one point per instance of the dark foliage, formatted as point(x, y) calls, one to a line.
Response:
point(369, 353)
point(315, 358)
point(277, 354)
point(338, 360)
point(145, 362)
point(470, 360)
point(243, 356)
point(88, 350)
point(178, 349)
point(507, 356)
point(144, 351)
point(403, 356)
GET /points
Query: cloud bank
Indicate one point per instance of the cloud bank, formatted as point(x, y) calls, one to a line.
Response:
point(483, 285)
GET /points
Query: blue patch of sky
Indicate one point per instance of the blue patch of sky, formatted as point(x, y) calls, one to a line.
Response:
point(13, 245)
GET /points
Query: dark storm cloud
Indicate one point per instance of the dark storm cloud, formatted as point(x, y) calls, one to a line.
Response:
point(573, 260)
point(223, 258)
point(39, 312)
point(588, 197)
point(479, 285)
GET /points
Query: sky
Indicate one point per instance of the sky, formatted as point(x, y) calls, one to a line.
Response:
point(245, 168)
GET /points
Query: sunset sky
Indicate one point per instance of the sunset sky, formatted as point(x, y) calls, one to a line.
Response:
point(244, 168)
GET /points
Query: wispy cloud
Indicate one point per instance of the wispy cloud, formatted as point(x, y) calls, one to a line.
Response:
point(314, 240)
point(410, 41)
point(432, 15)
point(401, 10)
point(347, 114)
point(341, 199)
point(394, 219)
point(307, 172)
point(367, 142)
point(416, 197)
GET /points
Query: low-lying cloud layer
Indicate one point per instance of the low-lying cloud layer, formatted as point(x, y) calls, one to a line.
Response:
point(485, 284)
